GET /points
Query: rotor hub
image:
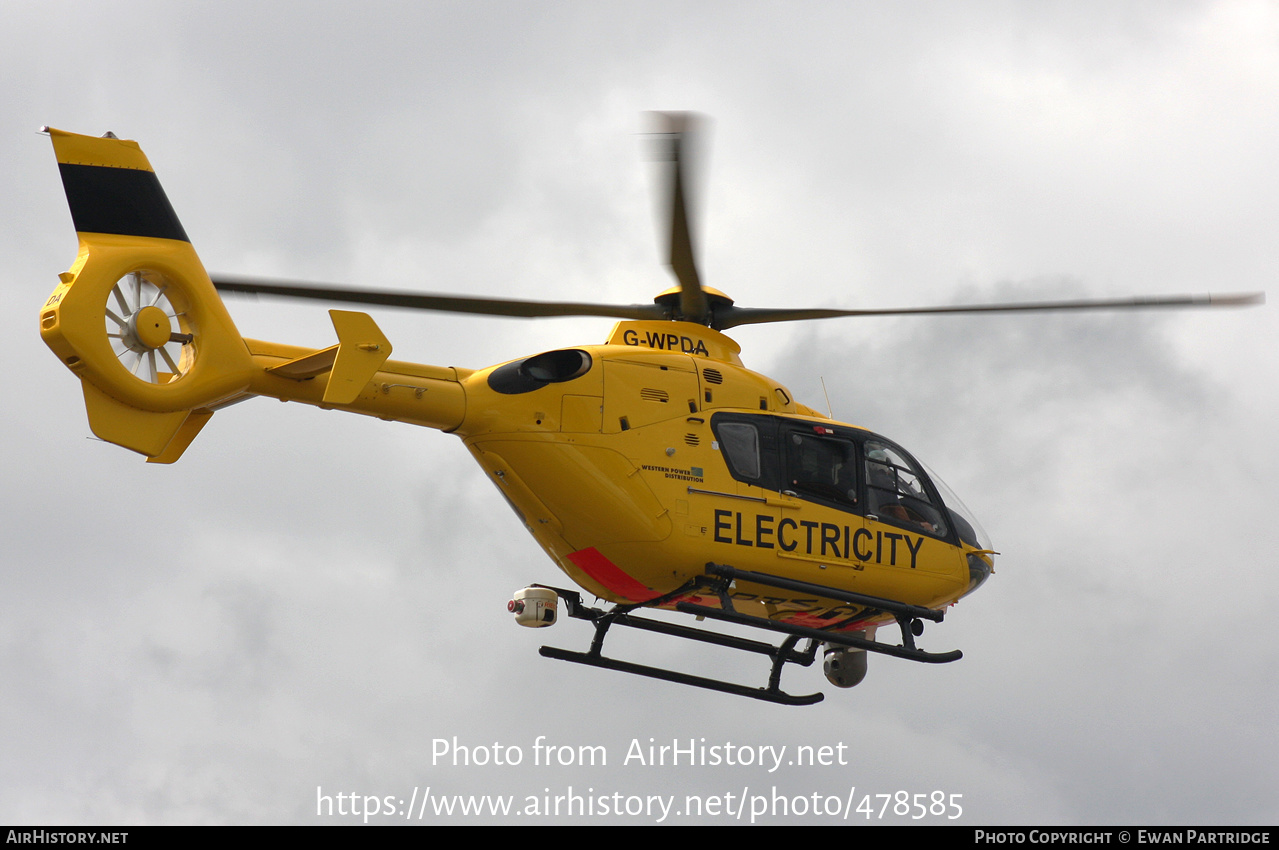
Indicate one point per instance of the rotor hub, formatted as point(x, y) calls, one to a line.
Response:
point(669, 299)
point(149, 328)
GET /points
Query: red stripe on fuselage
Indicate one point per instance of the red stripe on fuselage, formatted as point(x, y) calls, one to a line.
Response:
point(610, 575)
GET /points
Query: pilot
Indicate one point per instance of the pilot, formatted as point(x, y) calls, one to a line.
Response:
point(884, 490)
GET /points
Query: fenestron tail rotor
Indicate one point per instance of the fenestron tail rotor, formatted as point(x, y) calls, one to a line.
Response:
point(141, 322)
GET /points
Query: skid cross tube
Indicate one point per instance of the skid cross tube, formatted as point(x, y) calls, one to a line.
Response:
point(783, 654)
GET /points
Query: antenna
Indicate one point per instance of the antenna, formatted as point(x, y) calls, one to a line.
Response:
point(830, 414)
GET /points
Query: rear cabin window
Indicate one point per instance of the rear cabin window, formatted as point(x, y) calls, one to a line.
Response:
point(740, 442)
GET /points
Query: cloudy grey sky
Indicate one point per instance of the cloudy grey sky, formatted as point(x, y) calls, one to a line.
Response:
point(310, 599)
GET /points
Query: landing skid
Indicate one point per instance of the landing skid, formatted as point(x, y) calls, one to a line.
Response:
point(717, 581)
point(780, 654)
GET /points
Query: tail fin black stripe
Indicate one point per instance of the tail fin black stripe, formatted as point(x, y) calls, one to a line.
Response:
point(124, 201)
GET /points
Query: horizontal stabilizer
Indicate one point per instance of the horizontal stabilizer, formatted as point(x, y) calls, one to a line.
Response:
point(308, 365)
point(361, 350)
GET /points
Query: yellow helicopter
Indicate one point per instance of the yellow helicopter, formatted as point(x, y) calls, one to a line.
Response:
point(656, 470)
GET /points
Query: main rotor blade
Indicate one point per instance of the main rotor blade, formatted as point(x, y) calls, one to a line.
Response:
point(679, 128)
point(429, 301)
point(731, 317)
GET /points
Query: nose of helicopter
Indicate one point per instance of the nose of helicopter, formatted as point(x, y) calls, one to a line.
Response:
point(978, 571)
point(970, 532)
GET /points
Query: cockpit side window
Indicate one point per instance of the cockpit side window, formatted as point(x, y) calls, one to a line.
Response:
point(895, 490)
